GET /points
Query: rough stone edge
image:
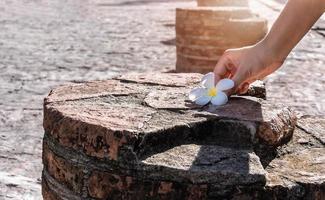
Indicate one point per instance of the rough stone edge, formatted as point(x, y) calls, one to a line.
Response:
point(56, 188)
point(285, 121)
point(88, 163)
point(279, 129)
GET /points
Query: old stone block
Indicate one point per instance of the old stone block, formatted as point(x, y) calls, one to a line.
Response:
point(299, 175)
point(207, 164)
point(222, 2)
point(99, 127)
point(138, 136)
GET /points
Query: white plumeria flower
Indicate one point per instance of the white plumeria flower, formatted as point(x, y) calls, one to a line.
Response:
point(211, 92)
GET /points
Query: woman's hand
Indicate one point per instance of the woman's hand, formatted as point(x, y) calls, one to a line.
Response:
point(245, 65)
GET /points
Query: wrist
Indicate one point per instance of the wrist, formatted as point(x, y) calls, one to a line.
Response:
point(268, 52)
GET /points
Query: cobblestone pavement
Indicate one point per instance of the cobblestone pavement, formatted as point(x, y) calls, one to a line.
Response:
point(46, 43)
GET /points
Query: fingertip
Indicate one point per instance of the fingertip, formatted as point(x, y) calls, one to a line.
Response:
point(243, 88)
point(238, 79)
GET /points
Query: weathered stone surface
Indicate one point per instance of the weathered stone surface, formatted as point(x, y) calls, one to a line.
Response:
point(163, 79)
point(300, 175)
point(63, 171)
point(314, 126)
point(307, 166)
point(53, 190)
point(257, 89)
point(139, 136)
point(101, 125)
point(296, 169)
point(204, 33)
point(38, 54)
point(88, 90)
point(208, 164)
point(103, 185)
point(222, 2)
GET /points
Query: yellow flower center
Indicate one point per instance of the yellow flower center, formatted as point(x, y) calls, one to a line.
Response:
point(212, 92)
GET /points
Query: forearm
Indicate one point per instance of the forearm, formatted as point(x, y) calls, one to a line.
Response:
point(294, 22)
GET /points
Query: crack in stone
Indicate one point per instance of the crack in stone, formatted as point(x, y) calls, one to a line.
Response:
point(310, 133)
point(221, 159)
point(147, 83)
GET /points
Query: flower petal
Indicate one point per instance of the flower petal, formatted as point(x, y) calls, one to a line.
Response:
point(196, 93)
point(208, 80)
point(225, 84)
point(203, 100)
point(220, 99)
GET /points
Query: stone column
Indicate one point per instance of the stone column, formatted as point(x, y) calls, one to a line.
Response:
point(138, 137)
point(222, 3)
point(204, 33)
